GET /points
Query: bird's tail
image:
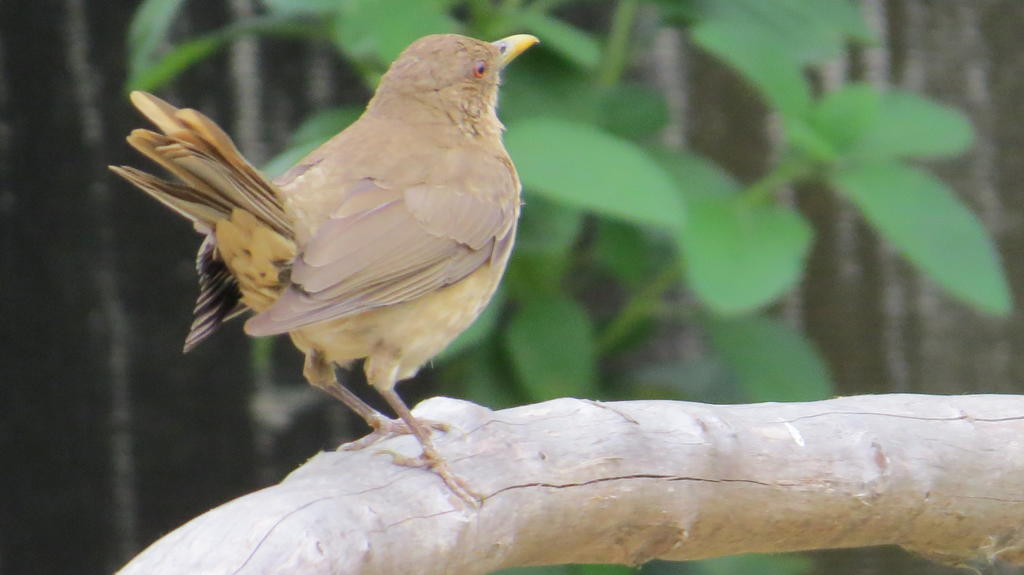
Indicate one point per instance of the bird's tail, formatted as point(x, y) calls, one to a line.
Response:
point(226, 199)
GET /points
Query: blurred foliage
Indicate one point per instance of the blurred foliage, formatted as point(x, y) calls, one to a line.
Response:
point(615, 219)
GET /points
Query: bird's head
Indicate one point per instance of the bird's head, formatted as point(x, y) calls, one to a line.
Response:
point(452, 77)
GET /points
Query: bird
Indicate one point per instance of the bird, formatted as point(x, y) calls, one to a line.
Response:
point(382, 245)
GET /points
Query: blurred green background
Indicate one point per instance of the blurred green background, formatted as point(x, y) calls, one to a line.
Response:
point(726, 201)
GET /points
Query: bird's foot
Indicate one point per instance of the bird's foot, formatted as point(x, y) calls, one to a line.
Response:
point(433, 461)
point(386, 428)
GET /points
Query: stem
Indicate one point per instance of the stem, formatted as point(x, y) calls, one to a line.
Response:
point(260, 355)
point(617, 49)
point(641, 306)
point(789, 170)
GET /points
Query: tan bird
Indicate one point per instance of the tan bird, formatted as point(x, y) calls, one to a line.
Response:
point(385, 243)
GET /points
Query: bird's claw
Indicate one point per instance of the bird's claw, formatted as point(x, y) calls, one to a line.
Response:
point(435, 463)
point(397, 458)
point(385, 428)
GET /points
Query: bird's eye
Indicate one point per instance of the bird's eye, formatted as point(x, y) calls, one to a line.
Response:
point(479, 69)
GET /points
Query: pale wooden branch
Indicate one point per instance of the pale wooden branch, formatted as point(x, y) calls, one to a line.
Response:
point(571, 481)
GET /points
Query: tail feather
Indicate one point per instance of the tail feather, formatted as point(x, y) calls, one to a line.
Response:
point(219, 297)
point(260, 197)
point(215, 182)
point(178, 197)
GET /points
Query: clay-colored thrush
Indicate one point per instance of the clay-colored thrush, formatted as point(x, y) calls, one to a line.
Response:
point(385, 243)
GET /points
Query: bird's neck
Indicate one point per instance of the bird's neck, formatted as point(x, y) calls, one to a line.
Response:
point(471, 117)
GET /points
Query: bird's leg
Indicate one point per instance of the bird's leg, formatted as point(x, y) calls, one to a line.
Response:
point(320, 374)
point(384, 382)
point(430, 458)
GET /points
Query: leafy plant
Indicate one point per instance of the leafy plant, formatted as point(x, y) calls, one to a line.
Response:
point(611, 210)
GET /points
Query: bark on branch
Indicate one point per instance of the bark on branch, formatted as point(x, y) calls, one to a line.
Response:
point(572, 481)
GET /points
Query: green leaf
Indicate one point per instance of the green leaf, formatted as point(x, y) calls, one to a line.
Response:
point(381, 29)
point(696, 175)
point(542, 84)
point(595, 569)
point(572, 43)
point(772, 362)
point(303, 6)
point(932, 228)
point(148, 31)
point(633, 111)
point(864, 123)
point(479, 377)
point(842, 117)
point(581, 166)
point(741, 256)
point(158, 72)
point(678, 13)
point(806, 31)
point(745, 47)
point(547, 227)
point(771, 42)
point(313, 131)
point(911, 126)
point(754, 564)
point(630, 252)
point(545, 570)
point(551, 343)
point(533, 274)
point(809, 140)
point(547, 234)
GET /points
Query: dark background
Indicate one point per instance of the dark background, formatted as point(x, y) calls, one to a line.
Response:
point(109, 437)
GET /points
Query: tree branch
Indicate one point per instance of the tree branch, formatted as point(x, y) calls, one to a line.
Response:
point(573, 481)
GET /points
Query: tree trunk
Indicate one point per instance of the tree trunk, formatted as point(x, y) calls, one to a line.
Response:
point(572, 481)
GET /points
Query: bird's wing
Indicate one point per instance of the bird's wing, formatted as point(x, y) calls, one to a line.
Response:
point(384, 247)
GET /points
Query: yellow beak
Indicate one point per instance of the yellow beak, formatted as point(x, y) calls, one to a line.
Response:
point(514, 45)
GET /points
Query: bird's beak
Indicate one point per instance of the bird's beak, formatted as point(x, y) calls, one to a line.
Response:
point(513, 46)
